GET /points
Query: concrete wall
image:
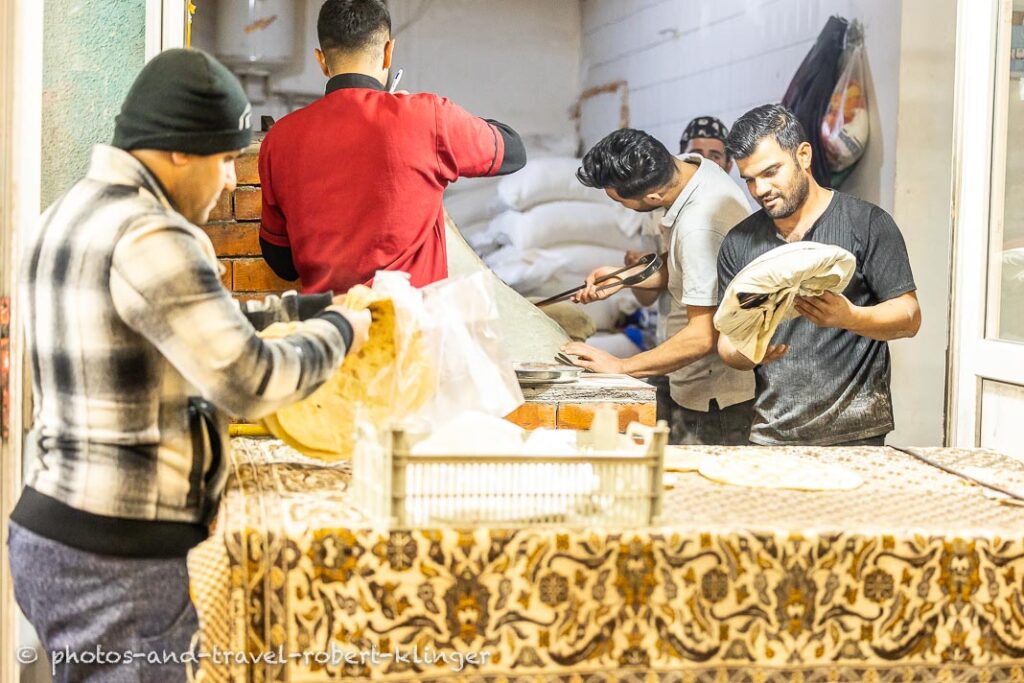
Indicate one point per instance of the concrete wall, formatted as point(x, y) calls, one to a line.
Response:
point(517, 62)
point(684, 58)
point(92, 52)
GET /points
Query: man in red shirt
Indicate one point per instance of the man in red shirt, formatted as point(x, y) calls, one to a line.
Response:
point(352, 184)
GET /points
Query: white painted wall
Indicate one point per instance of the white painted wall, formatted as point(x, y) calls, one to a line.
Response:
point(684, 58)
point(517, 62)
point(923, 191)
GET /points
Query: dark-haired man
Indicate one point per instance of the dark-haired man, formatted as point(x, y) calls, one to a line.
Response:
point(352, 183)
point(135, 344)
point(825, 379)
point(712, 402)
point(704, 135)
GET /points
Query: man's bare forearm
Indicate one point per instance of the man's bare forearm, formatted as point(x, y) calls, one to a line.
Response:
point(897, 318)
point(691, 343)
point(646, 297)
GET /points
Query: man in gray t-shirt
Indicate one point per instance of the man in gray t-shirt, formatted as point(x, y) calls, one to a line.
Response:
point(825, 377)
point(711, 401)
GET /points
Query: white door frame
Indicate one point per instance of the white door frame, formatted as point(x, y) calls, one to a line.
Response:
point(978, 180)
point(165, 25)
point(21, 90)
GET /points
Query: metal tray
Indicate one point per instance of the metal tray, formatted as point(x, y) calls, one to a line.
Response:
point(546, 373)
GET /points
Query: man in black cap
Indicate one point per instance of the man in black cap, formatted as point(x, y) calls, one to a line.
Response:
point(705, 135)
point(135, 344)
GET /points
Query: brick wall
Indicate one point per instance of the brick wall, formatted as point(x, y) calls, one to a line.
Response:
point(234, 229)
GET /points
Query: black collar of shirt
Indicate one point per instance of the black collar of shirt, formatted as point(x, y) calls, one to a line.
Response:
point(343, 81)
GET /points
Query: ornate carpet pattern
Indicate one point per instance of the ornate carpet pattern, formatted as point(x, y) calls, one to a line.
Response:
point(915, 576)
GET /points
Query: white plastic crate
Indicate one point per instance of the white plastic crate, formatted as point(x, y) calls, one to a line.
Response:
point(390, 485)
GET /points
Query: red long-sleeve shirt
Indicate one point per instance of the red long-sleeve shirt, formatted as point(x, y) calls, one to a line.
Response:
point(352, 184)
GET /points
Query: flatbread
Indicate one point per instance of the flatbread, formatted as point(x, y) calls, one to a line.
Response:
point(272, 425)
point(684, 458)
point(754, 469)
point(390, 377)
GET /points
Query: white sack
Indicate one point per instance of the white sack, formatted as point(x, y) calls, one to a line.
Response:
point(570, 222)
point(477, 204)
point(618, 344)
point(547, 180)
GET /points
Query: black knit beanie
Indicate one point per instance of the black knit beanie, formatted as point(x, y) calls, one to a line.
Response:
point(184, 101)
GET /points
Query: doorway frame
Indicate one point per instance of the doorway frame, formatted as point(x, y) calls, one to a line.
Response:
point(21, 88)
point(979, 167)
point(21, 114)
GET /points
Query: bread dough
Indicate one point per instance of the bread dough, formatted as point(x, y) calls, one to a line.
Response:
point(782, 274)
point(684, 458)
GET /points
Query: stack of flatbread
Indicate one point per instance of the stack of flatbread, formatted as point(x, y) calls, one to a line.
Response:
point(391, 377)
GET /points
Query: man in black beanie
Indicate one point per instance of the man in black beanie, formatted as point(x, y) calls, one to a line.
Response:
point(135, 344)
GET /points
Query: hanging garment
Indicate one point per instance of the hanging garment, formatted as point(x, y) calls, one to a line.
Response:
point(810, 91)
point(763, 294)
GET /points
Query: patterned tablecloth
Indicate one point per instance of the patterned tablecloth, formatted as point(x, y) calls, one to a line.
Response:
point(916, 575)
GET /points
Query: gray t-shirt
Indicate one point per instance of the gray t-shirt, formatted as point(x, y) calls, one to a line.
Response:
point(699, 219)
point(833, 385)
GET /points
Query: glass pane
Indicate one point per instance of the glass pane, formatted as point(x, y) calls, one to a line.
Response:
point(1001, 408)
point(1010, 259)
point(92, 52)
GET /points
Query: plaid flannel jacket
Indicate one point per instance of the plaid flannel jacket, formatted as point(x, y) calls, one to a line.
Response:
point(127, 324)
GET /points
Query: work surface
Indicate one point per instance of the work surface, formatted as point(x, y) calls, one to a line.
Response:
point(593, 387)
point(914, 574)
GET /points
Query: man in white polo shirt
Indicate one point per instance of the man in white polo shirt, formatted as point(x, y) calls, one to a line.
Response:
point(712, 402)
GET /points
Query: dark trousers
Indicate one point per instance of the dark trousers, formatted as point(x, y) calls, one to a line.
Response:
point(870, 441)
point(716, 427)
point(79, 601)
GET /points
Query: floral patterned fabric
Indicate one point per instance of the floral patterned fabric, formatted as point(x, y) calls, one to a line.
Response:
point(914, 576)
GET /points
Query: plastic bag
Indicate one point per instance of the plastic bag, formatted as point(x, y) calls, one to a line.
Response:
point(845, 125)
point(473, 371)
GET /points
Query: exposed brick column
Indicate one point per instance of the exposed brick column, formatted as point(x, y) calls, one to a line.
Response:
point(234, 229)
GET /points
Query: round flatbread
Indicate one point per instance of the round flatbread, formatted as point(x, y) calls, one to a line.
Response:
point(272, 425)
point(391, 376)
point(684, 458)
point(778, 471)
